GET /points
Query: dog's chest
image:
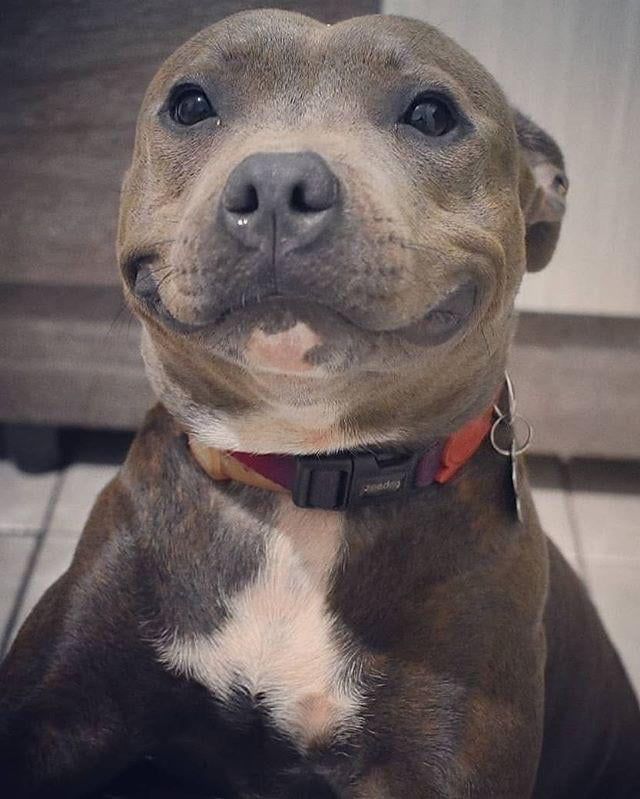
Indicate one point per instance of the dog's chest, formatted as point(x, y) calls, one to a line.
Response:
point(279, 644)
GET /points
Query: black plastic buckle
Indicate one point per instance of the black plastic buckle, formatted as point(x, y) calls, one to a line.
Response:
point(340, 482)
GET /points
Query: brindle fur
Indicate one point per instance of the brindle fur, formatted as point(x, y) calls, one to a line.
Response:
point(484, 670)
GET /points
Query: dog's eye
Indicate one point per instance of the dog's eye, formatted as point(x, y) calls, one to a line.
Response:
point(190, 105)
point(430, 115)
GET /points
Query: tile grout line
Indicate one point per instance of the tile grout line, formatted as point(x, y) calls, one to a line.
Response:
point(32, 562)
point(567, 493)
point(19, 532)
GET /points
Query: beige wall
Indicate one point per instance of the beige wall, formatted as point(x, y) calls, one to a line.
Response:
point(574, 67)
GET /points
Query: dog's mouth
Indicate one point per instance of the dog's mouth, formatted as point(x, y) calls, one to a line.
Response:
point(276, 311)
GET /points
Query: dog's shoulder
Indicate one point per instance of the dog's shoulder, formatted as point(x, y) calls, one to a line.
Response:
point(159, 463)
point(159, 444)
point(157, 454)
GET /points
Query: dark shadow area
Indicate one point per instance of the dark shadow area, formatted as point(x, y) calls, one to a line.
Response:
point(593, 475)
point(36, 449)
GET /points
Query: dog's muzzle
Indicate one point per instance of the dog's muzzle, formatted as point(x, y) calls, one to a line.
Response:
point(278, 248)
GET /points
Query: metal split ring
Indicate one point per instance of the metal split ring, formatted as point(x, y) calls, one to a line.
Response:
point(516, 449)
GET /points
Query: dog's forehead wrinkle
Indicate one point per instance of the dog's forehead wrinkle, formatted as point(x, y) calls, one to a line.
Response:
point(394, 49)
point(413, 44)
point(247, 38)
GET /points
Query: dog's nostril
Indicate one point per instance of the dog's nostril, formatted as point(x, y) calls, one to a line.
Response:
point(313, 196)
point(298, 201)
point(242, 199)
point(287, 196)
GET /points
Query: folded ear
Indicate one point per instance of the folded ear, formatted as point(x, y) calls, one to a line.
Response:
point(543, 190)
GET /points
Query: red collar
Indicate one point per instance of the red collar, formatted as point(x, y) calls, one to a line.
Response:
point(346, 479)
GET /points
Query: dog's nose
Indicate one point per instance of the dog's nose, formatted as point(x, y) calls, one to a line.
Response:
point(279, 202)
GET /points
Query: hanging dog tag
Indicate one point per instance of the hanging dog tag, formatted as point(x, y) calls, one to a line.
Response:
point(509, 417)
point(514, 480)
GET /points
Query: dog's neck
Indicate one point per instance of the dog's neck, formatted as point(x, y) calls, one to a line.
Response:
point(341, 480)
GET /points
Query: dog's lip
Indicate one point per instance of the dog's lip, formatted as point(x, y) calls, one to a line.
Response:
point(439, 323)
point(446, 317)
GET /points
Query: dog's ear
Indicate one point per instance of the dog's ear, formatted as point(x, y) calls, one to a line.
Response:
point(543, 190)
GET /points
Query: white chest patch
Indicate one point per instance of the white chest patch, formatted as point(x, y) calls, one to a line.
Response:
point(280, 641)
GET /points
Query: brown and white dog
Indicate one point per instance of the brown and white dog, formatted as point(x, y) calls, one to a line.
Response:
point(323, 231)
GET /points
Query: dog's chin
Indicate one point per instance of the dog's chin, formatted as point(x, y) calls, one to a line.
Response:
point(290, 338)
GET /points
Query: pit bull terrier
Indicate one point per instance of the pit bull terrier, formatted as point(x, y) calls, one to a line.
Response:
point(316, 574)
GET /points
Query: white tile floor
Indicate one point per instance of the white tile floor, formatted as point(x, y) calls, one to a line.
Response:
point(592, 510)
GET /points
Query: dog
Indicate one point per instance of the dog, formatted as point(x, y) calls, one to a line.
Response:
point(319, 572)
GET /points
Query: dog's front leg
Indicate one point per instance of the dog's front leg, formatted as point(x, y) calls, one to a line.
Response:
point(499, 762)
point(469, 730)
point(67, 724)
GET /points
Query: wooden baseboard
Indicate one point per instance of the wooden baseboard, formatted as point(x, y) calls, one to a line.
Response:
point(70, 356)
point(578, 381)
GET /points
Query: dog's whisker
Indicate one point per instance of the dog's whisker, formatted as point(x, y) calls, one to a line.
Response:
point(163, 280)
point(412, 245)
point(159, 243)
point(165, 241)
point(122, 317)
point(484, 338)
point(162, 272)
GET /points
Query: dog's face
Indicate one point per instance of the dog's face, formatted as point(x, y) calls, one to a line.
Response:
point(324, 228)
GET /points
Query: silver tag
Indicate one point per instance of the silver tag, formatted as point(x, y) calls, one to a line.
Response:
point(514, 480)
point(509, 417)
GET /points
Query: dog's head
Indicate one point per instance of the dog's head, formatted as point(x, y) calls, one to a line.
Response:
point(324, 229)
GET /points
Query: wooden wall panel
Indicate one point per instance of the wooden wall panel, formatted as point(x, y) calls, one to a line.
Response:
point(72, 75)
point(573, 66)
